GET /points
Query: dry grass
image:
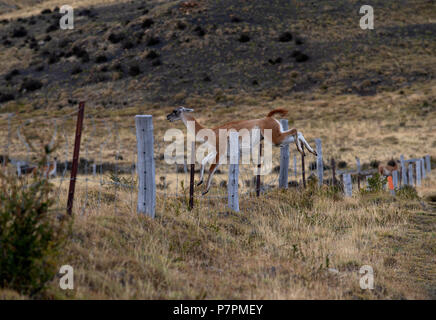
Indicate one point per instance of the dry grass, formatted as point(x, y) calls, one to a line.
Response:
point(285, 245)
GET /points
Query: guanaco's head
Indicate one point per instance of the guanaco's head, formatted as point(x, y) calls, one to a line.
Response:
point(177, 113)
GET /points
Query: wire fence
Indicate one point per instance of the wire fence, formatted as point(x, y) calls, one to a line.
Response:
point(107, 171)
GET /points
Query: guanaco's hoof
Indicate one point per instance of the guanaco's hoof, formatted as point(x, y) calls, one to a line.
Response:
point(205, 192)
point(199, 183)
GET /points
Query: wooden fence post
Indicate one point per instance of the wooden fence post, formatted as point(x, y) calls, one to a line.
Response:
point(347, 184)
point(76, 153)
point(428, 163)
point(259, 165)
point(410, 171)
point(232, 185)
point(145, 165)
point(333, 164)
point(403, 171)
point(284, 160)
point(303, 170)
point(191, 181)
point(418, 173)
point(319, 162)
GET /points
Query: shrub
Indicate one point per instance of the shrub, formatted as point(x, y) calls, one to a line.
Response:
point(375, 183)
point(31, 85)
point(31, 235)
point(407, 193)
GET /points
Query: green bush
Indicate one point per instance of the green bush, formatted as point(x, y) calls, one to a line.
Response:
point(375, 184)
point(31, 235)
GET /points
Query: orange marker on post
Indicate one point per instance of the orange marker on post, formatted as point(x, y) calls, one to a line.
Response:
point(391, 184)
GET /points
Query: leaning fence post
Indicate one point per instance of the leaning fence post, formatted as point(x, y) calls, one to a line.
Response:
point(403, 171)
point(232, 185)
point(145, 165)
point(418, 173)
point(410, 171)
point(284, 159)
point(347, 184)
point(75, 163)
point(319, 162)
point(428, 163)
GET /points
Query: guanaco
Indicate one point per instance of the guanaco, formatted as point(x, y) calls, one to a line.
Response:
point(279, 136)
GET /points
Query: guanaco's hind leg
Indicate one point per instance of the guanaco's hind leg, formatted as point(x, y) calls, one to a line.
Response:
point(212, 171)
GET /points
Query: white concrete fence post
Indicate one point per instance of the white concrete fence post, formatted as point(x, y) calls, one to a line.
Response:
point(347, 184)
point(428, 163)
point(403, 171)
point(394, 181)
point(232, 185)
point(284, 159)
point(319, 162)
point(410, 170)
point(145, 165)
point(423, 173)
point(418, 173)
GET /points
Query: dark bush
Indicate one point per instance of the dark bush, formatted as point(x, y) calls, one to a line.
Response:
point(235, 19)
point(298, 41)
point(374, 163)
point(76, 70)
point(134, 70)
point(101, 59)
point(152, 55)
point(299, 56)
point(5, 97)
point(342, 164)
point(244, 38)
point(52, 27)
point(46, 11)
point(152, 41)
point(181, 25)
point(19, 32)
point(147, 23)
point(31, 85)
point(128, 44)
point(53, 58)
point(156, 63)
point(47, 38)
point(12, 74)
point(199, 31)
point(116, 37)
point(285, 37)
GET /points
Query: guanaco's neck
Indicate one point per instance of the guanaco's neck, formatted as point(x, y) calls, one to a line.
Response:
point(186, 118)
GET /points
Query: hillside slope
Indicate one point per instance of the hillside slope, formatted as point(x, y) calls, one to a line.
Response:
point(169, 51)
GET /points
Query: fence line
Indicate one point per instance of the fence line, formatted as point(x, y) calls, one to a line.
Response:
point(418, 168)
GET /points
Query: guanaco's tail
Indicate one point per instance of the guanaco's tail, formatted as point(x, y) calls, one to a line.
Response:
point(280, 111)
